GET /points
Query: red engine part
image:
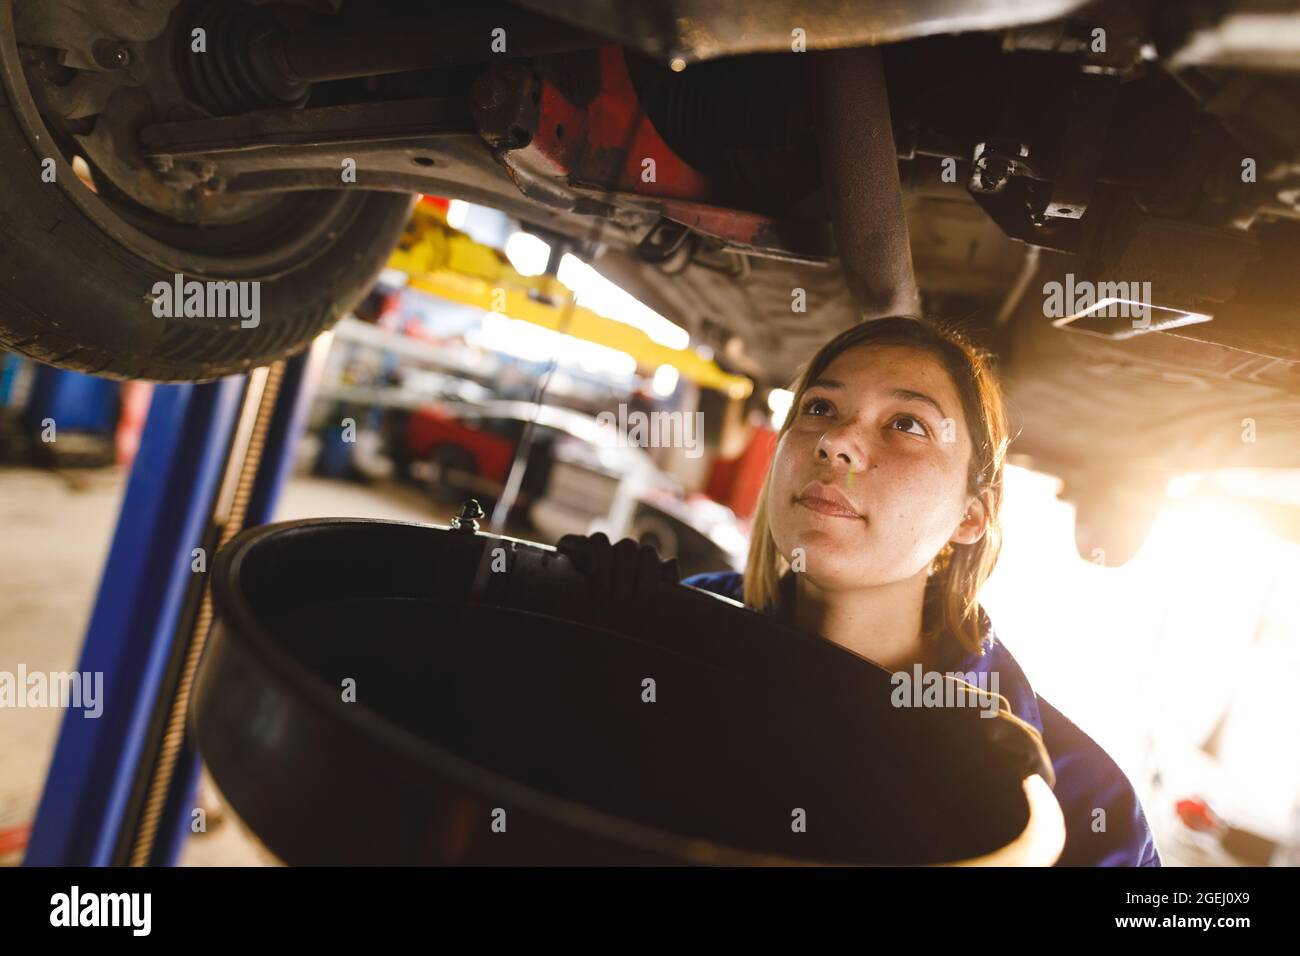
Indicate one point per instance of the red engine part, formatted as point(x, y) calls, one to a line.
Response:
point(609, 147)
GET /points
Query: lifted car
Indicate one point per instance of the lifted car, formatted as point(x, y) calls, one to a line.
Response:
point(764, 172)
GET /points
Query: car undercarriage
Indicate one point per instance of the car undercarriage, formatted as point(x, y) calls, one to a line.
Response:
point(1106, 195)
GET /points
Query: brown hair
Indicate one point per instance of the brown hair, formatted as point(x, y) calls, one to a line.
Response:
point(959, 570)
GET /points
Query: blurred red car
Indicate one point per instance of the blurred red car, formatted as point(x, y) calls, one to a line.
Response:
point(469, 451)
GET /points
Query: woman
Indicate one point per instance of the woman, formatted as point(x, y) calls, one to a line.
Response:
point(876, 527)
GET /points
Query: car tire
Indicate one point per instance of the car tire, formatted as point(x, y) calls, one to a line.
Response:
point(76, 286)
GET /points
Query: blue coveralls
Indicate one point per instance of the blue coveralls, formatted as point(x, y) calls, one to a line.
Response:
point(1086, 777)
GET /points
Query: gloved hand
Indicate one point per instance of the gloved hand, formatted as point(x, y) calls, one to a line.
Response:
point(617, 571)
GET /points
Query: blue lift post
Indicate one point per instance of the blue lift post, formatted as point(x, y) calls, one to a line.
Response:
point(76, 402)
point(297, 389)
point(139, 614)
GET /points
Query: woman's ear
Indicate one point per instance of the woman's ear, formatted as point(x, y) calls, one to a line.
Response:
point(974, 522)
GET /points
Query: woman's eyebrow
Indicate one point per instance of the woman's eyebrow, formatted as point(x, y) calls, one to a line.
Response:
point(830, 383)
point(904, 393)
point(907, 393)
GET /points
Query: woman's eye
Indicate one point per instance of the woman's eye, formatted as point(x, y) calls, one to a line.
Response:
point(912, 426)
point(814, 403)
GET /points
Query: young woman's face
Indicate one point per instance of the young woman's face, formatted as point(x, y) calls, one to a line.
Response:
point(870, 481)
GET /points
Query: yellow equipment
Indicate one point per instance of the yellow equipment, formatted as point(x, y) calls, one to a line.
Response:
point(447, 263)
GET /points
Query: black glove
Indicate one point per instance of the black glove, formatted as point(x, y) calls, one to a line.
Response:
point(618, 571)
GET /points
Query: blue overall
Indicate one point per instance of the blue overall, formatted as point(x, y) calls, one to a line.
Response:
point(1087, 779)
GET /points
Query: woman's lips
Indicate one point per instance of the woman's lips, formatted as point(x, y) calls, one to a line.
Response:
point(826, 500)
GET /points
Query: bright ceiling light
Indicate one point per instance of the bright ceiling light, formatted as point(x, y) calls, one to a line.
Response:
point(665, 380)
point(533, 343)
point(593, 291)
point(457, 212)
point(527, 253)
point(779, 401)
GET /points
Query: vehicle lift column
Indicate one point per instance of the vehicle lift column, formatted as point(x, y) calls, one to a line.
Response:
point(211, 462)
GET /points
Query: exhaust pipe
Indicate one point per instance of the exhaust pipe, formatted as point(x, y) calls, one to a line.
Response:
point(860, 170)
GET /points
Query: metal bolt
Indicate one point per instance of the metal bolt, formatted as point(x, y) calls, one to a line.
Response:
point(467, 520)
point(111, 54)
point(991, 173)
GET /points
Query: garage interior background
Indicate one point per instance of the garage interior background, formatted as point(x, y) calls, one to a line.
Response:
point(420, 401)
point(816, 164)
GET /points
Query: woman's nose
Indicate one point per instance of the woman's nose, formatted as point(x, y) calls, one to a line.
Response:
point(839, 445)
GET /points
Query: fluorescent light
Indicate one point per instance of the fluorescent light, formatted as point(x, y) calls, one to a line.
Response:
point(593, 291)
point(665, 380)
point(456, 213)
point(533, 343)
point(527, 253)
point(779, 401)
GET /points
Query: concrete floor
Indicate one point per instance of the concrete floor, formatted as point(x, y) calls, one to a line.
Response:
point(56, 531)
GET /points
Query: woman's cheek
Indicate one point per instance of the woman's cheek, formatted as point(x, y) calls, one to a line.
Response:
point(797, 535)
point(784, 477)
point(782, 522)
point(778, 497)
point(931, 512)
